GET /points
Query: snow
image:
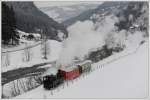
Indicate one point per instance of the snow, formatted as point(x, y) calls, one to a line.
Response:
point(124, 78)
point(84, 62)
point(23, 41)
point(68, 9)
point(51, 71)
point(35, 53)
point(36, 35)
point(68, 69)
point(53, 14)
point(20, 86)
point(22, 33)
point(26, 42)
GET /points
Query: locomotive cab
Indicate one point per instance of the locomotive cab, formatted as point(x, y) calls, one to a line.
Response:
point(48, 81)
point(52, 81)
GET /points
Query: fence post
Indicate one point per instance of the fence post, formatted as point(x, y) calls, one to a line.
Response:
point(7, 59)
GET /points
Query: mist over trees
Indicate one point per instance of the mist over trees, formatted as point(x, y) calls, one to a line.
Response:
point(135, 15)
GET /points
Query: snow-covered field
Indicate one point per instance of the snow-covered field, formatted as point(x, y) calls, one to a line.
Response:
point(17, 59)
point(124, 78)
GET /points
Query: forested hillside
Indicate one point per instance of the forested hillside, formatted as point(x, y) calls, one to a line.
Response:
point(9, 35)
point(30, 19)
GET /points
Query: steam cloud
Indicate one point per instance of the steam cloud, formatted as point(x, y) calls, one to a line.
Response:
point(83, 36)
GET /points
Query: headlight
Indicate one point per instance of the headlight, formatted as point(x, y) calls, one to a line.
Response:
point(44, 78)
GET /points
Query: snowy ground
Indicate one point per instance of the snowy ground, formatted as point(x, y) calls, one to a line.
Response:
point(124, 78)
point(35, 56)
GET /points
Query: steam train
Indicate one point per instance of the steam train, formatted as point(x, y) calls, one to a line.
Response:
point(66, 73)
point(70, 73)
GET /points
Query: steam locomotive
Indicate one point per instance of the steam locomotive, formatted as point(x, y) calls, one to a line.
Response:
point(63, 74)
point(70, 73)
point(52, 81)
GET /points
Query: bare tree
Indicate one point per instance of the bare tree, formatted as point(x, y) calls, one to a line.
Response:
point(27, 54)
point(7, 61)
point(45, 46)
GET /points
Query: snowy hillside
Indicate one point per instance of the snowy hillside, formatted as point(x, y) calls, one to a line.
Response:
point(125, 76)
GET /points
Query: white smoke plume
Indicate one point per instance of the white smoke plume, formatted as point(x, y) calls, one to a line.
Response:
point(83, 36)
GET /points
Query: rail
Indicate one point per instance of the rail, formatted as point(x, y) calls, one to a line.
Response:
point(28, 47)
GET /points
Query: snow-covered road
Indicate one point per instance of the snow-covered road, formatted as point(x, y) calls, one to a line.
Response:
point(124, 78)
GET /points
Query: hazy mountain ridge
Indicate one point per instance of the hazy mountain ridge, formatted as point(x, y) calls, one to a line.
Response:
point(62, 13)
point(106, 7)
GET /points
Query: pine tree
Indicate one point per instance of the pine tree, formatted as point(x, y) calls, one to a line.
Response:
point(5, 24)
point(8, 25)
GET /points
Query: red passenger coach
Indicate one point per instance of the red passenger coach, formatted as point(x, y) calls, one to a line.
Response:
point(69, 73)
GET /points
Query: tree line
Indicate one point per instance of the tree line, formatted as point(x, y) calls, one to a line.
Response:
point(9, 33)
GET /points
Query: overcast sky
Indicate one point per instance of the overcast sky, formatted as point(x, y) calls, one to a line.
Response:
point(62, 3)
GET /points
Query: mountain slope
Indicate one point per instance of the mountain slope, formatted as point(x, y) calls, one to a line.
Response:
point(31, 19)
point(106, 7)
point(62, 13)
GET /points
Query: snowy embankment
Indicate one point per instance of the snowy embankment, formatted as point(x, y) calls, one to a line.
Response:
point(124, 78)
point(17, 59)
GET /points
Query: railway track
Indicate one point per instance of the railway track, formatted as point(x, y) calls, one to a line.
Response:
point(23, 72)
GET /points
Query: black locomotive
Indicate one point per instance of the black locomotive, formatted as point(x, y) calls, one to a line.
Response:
point(52, 81)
